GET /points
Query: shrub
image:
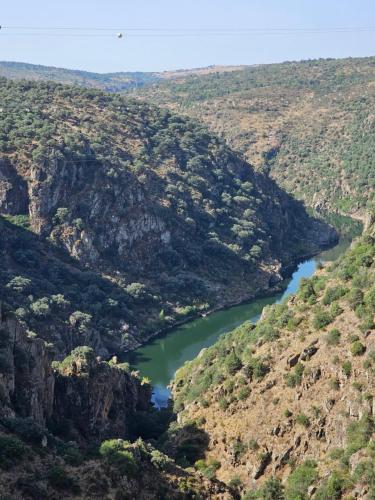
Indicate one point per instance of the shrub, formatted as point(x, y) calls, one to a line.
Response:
point(272, 489)
point(12, 451)
point(332, 488)
point(81, 320)
point(300, 480)
point(333, 294)
point(335, 310)
point(359, 433)
point(207, 468)
point(243, 393)
point(72, 456)
point(321, 319)
point(40, 308)
point(238, 449)
point(136, 290)
point(159, 460)
point(232, 363)
point(256, 368)
point(294, 379)
point(355, 298)
point(334, 384)
point(253, 444)
point(19, 284)
point(303, 420)
point(235, 483)
point(115, 452)
point(333, 337)
point(347, 368)
point(357, 348)
point(306, 290)
point(61, 215)
point(223, 403)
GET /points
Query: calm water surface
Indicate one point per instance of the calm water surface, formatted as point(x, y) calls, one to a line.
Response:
point(162, 357)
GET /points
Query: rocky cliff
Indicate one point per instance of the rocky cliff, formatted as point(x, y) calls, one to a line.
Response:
point(164, 212)
point(95, 399)
point(53, 420)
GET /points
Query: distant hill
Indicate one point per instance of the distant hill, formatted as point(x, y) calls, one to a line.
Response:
point(110, 82)
point(310, 123)
point(106, 81)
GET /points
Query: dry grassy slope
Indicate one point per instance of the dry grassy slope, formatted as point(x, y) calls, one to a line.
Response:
point(264, 427)
point(310, 121)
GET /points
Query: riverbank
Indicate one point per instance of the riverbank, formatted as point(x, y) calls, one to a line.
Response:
point(161, 357)
point(280, 276)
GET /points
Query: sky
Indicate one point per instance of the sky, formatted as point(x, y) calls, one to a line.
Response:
point(147, 53)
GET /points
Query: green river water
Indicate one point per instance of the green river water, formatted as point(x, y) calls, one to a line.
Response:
point(160, 358)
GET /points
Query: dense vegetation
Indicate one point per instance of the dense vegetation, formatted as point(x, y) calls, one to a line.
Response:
point(152, 202)
point(310, 123)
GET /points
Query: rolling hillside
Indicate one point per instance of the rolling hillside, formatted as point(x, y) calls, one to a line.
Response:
point(161, 218)
point(310, 124)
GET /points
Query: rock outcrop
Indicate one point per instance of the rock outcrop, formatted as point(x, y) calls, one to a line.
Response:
point(94, 398)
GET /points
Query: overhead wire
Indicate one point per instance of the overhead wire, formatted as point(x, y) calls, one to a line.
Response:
point(132, 31)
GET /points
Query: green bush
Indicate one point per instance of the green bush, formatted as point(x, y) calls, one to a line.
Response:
point(207, 468)
point(347, 368)
point(332, 294)
point(300, 480)
point(355, 298)
point(359, 433)
point(40, 308)
point(26, 428)
point(232, 363)
point(243, 393)
point(321, 319)
point(357, 348)
point(272, 489)
point(294, 379)
point(256, 368)
point(238, 449)
point(303, 420)
point(223, 403)
point(160, 461)
point(117, 454)
point(332, 488)
point(333, 337)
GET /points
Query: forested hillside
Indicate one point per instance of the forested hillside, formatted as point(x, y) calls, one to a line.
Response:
point(288, 404)
point(111, 82)
point(310, 123)
point(161, 218)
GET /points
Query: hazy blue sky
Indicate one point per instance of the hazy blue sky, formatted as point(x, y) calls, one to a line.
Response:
point(155, 54)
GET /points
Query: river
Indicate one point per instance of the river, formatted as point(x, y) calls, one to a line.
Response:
point(160, 358)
